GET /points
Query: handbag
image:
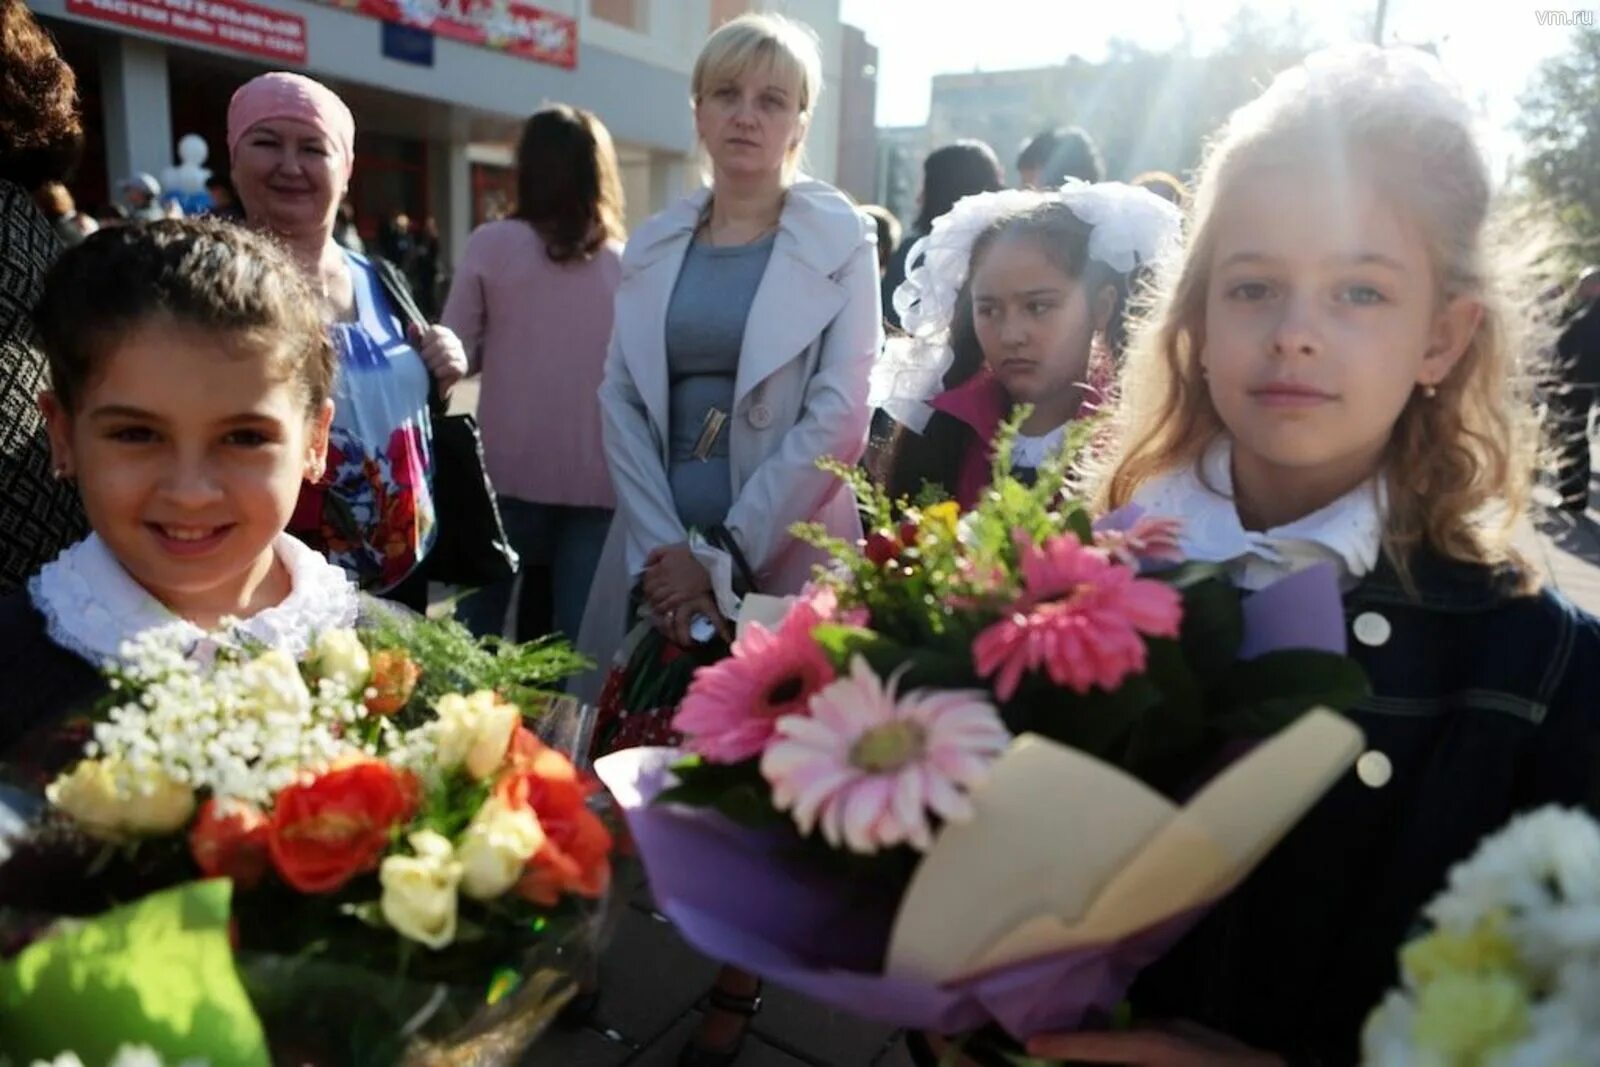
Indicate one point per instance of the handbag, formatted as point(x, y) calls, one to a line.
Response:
point(470, 547)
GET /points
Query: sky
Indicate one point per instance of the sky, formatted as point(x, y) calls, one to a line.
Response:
point(1492, 51)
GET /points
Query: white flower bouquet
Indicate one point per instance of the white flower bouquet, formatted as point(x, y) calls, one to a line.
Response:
point(407, 856)
point(1509, 975)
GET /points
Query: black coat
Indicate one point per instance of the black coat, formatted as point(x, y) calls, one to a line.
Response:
point(39, 515)
point(1486, 704)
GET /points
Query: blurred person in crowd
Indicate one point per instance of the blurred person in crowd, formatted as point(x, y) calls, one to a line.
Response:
point(345, 234)
point(747, 323)
point(290, 142)
point(423, 266)
point(224, 201)
point(70, 224)
point(888, 234)
point(40, 137)
point(1056, 155)
point(1167, 186)
point(395, 242)
point(141, 197)
point(948, 174)
point(1576, 389)
point(532, 303)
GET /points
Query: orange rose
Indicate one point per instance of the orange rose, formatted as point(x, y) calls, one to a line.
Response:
point(229, 840)
point(394, 678)
point(326, 831)
point(575, 858)
point(576, 854)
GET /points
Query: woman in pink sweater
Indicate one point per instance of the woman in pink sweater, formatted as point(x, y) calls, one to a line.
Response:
point(532, 303)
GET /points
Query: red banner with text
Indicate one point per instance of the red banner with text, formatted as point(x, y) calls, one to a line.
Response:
point(234, 25)
point(505, 25)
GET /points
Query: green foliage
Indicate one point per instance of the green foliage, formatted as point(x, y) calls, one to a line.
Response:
point(1560, 124)
point(454, 661)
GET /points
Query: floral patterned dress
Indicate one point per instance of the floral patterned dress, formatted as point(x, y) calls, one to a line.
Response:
point(372, 512)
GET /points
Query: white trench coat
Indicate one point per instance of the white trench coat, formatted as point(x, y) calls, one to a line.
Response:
point(800, 393)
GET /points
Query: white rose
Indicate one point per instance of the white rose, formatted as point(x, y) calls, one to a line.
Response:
point(419, 892)
point(340, 657)
point(496, 847)
point(475, 731)
point(272, 683)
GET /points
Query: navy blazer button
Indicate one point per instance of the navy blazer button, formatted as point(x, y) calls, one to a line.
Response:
point(1372, 629)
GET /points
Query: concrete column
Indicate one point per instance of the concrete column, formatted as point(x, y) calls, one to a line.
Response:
point(455, 225)
point(138, 112)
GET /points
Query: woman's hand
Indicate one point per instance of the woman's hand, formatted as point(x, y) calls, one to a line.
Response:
point(673, 577)
point(443, 354)
point(675, 624)
point(1168, 1044)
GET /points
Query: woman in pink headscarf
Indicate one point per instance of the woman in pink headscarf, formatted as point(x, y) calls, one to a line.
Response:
point(291, 142)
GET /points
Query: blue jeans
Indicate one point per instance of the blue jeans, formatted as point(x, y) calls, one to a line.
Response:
point(560, 549)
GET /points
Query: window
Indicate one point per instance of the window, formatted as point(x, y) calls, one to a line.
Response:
point(629, 14)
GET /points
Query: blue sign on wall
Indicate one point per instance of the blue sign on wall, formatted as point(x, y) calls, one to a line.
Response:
point(408, 44)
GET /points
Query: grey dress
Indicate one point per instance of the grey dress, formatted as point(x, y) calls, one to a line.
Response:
point(705, 332)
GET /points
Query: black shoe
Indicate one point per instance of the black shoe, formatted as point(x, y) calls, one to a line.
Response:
point(695, 1054)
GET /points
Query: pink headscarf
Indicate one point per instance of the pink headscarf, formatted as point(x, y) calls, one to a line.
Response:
point(281, 95)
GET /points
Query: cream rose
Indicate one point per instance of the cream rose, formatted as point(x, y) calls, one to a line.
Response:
point(475, 731)
point(106, 806)
point(157, 805)
point(496, 847)
point(419, 892)
point(272, 684)
point(340, 657)
point(90, 795)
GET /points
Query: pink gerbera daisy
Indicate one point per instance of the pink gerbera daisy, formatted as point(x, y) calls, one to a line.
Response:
point(1081, 619)
point(728, 713)
point(870, 769)
point(1151, 539)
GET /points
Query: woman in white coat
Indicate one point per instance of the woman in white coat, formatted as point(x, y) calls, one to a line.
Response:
point(747, 322)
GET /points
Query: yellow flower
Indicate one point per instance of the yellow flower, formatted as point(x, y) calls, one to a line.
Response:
point(341, 657)
point(496, 848)
point(475, 731)
point(1484, 950)
point(946, 514)
point(273, 685)
point(97, 798)
point(419, 892)
point(1470, 1015)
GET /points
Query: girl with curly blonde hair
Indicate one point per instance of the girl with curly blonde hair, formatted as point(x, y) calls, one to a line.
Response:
point(1331, 376)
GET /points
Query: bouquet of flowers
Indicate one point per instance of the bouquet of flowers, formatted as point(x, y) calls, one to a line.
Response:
point(1509, 975)
point(413, 869)
point(946, 786)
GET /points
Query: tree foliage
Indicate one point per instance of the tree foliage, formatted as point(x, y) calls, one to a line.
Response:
point(1560, 124)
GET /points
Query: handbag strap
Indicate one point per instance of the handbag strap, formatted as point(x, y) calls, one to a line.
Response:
point(398, 290)
point(720, 537)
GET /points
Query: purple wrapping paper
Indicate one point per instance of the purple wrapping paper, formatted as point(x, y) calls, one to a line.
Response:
point(739, 896)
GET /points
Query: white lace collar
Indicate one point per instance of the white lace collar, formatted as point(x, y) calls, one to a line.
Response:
point(91, 605)
point(1348, 532)
point(1029, 452)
